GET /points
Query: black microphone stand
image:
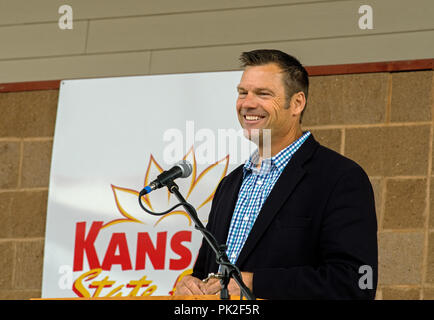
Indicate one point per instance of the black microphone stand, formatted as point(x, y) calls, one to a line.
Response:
point(228, 269)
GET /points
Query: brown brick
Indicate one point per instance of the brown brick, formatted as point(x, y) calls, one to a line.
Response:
point(431, 215)
point(331, 138)
point(400, 258)
point(405, 204)
point(28, 114)
point(28, 212)
point(411, 96)
point(347, 99)
point(19, 294)
point(430, 263)
point(379, 294)
point(10, 124)
point(22, 214)
point(9, 164)
point(428, 293)
point(390, 293)
point(6, 264)
point(377, 186)
point(36, 164)
point(5, 214)
point(28, 265)
point(389, 151)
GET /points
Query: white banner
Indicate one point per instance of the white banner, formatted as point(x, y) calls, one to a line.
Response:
point(113, 136)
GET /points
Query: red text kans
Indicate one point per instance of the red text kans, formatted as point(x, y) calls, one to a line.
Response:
point(156, 252)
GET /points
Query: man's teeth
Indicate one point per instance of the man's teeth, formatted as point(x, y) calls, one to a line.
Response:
point(252, 118)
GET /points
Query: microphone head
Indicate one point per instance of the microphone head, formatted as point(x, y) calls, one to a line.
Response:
point(185, 167)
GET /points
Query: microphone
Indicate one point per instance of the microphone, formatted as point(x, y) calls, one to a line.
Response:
point(181, 170)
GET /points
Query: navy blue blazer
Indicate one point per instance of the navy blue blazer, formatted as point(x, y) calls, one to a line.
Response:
point(315, 231)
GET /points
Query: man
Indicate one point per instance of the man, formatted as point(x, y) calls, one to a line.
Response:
point(301, 224)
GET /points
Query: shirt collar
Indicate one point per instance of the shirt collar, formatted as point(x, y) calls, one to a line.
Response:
point(279, 161)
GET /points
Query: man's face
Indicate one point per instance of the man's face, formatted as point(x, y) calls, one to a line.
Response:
point(262, 103)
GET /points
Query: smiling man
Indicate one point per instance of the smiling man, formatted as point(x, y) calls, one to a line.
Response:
point(263, 103)
point(299, 220)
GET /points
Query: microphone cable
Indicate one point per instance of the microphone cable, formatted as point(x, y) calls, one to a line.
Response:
point(219, 259)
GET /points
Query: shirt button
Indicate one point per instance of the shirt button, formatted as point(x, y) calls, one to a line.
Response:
point(246, 217)
point(259, 182)
point(233, 255)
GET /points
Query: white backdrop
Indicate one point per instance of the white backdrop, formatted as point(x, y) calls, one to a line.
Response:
point(111, 134)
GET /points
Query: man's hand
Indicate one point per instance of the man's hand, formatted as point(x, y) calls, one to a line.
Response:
point(189, 285)
point(234, 289)
point(213, 285)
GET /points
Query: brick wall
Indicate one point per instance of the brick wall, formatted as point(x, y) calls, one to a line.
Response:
point(26, 135)
point(381, 120)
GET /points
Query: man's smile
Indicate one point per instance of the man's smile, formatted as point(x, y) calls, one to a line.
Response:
point(252, 119)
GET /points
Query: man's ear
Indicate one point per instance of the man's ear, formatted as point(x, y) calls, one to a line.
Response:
point(297, 103)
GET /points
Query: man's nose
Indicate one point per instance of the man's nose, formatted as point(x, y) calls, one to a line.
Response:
point(248, 101)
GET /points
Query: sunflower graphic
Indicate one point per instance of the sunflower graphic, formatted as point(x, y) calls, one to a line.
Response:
point(198, 189)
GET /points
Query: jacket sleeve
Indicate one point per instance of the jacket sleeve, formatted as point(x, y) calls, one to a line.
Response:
point(347, 246)
point(201, 266)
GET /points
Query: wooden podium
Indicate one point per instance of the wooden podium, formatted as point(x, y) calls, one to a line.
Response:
point(193, 297)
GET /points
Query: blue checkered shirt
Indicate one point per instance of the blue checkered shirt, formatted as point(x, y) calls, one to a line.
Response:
point(255, 188)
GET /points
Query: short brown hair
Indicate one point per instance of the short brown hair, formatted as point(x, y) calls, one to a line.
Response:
point(295, 76)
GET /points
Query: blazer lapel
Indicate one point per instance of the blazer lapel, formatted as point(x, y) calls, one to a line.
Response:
point(285, 185)
point(225, 210)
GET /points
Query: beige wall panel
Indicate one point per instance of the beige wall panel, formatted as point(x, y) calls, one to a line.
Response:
point(20, 11)
point(317, 20)
point(407, 46)
point(99, 65)
point(41, 40)
point(397, 15)
point(373, 48)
